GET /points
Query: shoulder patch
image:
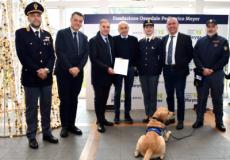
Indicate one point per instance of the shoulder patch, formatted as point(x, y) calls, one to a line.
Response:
point(28, 28)
point(225, 48)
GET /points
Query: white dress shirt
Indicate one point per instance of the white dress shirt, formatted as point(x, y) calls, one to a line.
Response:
point(174, 48)
point(36, 29)
point(149, 37)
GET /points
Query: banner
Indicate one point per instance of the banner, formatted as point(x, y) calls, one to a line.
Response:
point(193, 25)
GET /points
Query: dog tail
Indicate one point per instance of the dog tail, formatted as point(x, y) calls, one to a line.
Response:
point(148, 154)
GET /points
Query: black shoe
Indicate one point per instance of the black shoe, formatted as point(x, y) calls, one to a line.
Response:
point(128, 119)
point(117, 119)
point(100, 128)
point(221, 127)
point(170, 121)
point(75, 130)
point(146, 120)
point(107, 123)
point(180, 125)
point(197, 124)
point(64, 132)
point(33, 143)
point(50, 139)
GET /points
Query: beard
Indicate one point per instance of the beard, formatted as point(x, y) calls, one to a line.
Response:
point(37, 26)
point(211, 34)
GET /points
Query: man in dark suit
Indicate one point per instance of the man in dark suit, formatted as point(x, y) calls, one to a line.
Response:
point(126, 47)
point(72, 54)
point(178, 54)
point(102, 61)
point(35, 51)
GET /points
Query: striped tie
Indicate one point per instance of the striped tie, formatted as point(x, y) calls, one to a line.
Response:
point(170, 51)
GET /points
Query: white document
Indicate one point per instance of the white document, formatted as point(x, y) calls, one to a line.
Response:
point(121, 66)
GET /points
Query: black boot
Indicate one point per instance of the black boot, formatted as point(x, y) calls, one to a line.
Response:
point(221, 127)
point(197, 124)
point(128, 118)
point(117, 119)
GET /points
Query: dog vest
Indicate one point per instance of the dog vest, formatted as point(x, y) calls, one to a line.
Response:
point(159, 131)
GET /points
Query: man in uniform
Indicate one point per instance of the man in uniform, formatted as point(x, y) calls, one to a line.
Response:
point(216, 49)
point(150, 63)
point(35, 51)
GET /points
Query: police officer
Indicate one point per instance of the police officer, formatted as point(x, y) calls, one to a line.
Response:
point(150, 63)
point(35, 51)
point(216, 48)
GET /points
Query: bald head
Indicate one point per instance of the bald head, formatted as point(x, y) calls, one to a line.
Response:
point(123, 28)
point(172, 25)
point(104, 27)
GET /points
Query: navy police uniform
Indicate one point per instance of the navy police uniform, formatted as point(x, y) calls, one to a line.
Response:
point(35, 51)
point(150, 63)
point(213, 53)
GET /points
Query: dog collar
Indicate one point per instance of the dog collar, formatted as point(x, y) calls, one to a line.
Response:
point(159, 131)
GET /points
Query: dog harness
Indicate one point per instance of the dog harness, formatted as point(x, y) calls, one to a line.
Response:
point(159, 131)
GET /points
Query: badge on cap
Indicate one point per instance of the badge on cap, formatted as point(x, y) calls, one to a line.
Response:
point(35, 6)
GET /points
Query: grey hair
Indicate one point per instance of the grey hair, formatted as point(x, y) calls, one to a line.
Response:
point(122, 22)
point(103, 21)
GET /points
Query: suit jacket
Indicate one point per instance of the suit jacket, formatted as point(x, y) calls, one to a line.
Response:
point(183, 53)
point(67, 56)
point(101, 60)
point(34, 53)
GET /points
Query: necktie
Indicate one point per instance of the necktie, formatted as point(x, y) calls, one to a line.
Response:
point(148, 40)
point(170, 51)
point(37, 34)
point(76, 42)
point(109, 48)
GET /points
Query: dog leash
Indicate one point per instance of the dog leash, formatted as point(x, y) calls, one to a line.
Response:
point(181, 138)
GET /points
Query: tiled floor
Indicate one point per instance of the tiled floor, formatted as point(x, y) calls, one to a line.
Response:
point(118, 143)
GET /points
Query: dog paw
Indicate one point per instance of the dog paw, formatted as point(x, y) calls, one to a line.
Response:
point(167, 136)
point(136, 153)
point(162, 157)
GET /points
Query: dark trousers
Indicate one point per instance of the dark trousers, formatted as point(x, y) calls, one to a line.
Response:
point(32, 96)
point(175, 82)
point(128, 81)
point(215, 84)
point(149, 90)
point(101, 96)
point(69, 88)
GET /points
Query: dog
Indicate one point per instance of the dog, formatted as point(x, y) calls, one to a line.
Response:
point(164, 115)
point(152, 144)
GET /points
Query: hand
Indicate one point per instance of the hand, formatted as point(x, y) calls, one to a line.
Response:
point(42, 73)
point(74, 71)
point(110, 71)
point(207, 71)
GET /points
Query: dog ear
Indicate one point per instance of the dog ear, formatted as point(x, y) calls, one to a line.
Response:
point(156, 114)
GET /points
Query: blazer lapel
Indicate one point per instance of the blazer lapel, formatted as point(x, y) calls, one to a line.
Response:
point(70, 36)
point(178, 43)
point(80, 41)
